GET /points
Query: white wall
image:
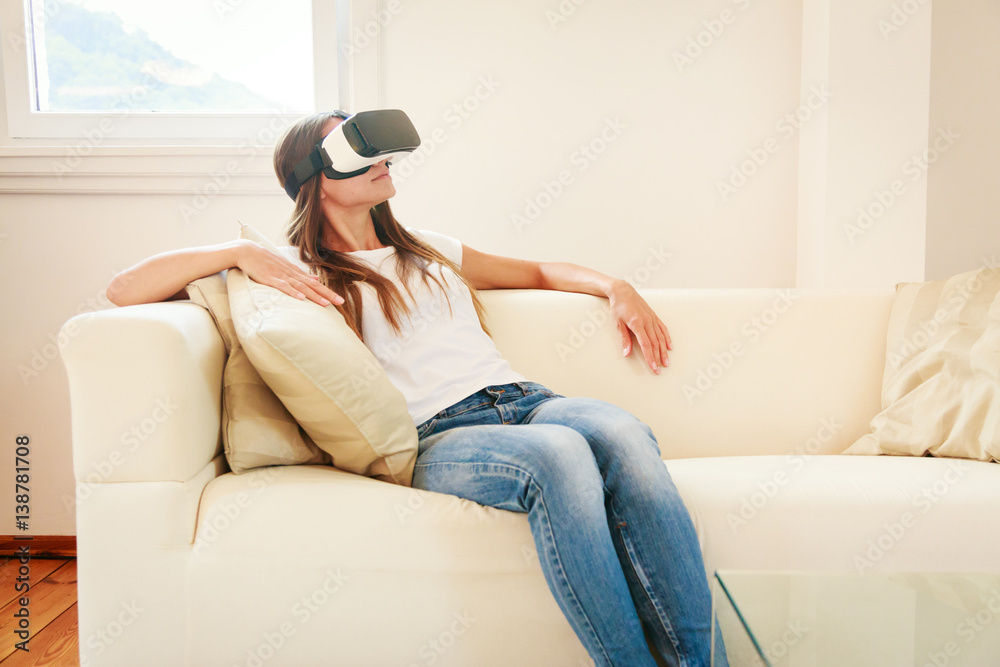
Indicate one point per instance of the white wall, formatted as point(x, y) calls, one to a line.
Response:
point(677, 118)
point(963, 213)
point(56, 259)
point(862, 201)
point(531, 89)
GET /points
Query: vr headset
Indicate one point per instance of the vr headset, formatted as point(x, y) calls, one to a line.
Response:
point(357, 143)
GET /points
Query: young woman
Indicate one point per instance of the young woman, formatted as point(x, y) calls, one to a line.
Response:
point(614, 538)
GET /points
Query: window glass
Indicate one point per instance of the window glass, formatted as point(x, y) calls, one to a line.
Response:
point(199, 56)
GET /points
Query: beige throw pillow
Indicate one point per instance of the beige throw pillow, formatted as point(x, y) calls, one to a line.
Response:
point(326, 377)
point(941, 385)
point(257, 429)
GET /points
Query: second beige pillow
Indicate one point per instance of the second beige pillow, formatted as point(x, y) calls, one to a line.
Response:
point(941, 385)
point(257, 429)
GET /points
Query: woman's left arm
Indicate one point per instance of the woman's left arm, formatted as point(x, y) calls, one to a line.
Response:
point(630, 311)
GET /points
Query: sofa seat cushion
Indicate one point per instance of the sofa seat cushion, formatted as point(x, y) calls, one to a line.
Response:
point(843, 513)
point(355, 519)
point(288, 558)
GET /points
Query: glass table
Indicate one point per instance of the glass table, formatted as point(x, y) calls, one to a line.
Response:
point(818, 619)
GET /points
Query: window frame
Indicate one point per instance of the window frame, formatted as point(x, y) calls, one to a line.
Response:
point(335, 87)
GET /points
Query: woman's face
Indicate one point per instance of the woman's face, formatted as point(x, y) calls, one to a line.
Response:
point(365, 190)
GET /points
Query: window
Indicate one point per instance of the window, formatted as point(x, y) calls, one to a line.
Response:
point(185, 70)
point(186, 55)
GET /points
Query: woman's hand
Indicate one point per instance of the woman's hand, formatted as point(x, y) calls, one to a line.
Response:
point(633, 315)
point(267, 268)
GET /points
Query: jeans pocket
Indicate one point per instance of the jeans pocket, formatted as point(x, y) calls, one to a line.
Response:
point(531, 388)
point(426, 427)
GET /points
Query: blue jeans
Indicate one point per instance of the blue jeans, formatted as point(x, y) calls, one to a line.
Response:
point(615, 542)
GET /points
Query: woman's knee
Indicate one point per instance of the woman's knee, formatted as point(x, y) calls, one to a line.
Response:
point(550, 455)
point(554, 450)
point(562, 465)
point(603, 425)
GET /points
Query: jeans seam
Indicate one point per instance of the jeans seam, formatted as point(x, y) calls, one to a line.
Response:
point(431, 423)
point(562, 572)
point(644, 582)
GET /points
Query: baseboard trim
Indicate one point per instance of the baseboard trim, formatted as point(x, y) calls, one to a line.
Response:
point(39, 546)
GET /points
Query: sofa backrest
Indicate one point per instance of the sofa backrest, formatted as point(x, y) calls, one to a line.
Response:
point(753, 371)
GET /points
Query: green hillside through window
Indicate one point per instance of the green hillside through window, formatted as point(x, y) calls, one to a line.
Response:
point(92, 61)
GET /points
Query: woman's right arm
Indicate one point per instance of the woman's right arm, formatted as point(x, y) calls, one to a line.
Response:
point(164, 277)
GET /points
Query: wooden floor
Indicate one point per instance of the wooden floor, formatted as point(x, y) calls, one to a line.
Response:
point(52, 608)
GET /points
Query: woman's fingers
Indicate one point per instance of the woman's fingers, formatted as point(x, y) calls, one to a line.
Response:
point(305, 286)
point(322, 294)
point(626, 335)
point(634, 316)
point(652, 335)
point(268, 268)
point(650, 348)
point(663, 336)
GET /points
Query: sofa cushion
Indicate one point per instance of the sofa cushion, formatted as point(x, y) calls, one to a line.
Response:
point(751, 512)
point(257, 429)
point(377, 573)
point(326, 377)
point(941, 385)
point(843, 513)
point(752, 371)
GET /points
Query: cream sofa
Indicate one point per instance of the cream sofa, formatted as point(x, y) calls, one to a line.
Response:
point(184, 563)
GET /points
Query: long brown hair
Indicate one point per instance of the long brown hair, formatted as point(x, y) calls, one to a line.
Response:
point(338, 270)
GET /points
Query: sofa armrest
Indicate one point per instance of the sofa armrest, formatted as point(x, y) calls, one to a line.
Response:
point(145, 388)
